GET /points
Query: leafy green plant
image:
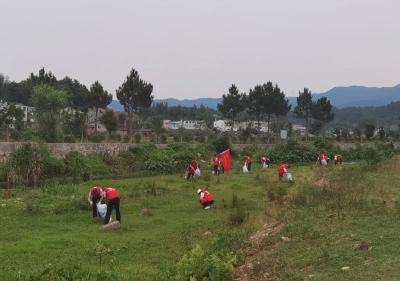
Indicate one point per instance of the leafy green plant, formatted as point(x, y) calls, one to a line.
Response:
point(199, 264)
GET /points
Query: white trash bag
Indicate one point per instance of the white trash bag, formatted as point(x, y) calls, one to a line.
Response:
point(197, 172)
point(289, 176)
point(264, 165)
point(102, 208)
point(245, 170)
point(324, 162)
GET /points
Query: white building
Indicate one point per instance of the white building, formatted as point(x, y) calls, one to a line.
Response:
point(186, 124)
point(225, 125)
point(299, 129)
point(28, 112)
point(91, 119)
point(222, 125)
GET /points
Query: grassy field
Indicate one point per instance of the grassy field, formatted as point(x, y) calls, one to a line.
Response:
point(51, 228)
point(327, 215)
point(324, 214)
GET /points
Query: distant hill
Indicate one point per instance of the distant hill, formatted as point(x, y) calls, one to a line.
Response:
point(359, 96)
point(340, 97)
point(386, 116)
point(208, 102)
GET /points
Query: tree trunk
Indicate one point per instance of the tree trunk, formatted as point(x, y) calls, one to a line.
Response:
point(95, 120)
point(268, 122)
point(129, 124)
point(307, 124)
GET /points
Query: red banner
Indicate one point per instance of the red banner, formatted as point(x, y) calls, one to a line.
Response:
point(226, 160)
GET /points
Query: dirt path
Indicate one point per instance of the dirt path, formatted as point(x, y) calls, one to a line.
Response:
point(253, 268)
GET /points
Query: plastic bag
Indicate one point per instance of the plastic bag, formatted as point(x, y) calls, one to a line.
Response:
point(289, 176)
point(197, 173)
point(264, 165)
point(245, 170)
point(324, 162)
point(102, 209)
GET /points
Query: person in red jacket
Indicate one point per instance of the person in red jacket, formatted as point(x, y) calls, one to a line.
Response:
point(338, 159)
point(248, 161)
point(113, 200)
point(265, 161)
point(323, 159)
point(94, 197)
point(195, 164)
point(190, 172)
point(282, 170)
point(206, 198)
point(215, 161)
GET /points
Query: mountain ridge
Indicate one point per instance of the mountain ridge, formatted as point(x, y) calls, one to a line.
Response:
point(340, 97)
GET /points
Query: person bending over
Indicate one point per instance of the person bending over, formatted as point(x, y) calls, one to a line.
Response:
point(113, 200)
point(94, 197)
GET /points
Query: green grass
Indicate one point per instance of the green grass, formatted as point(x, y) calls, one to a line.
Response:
point(51, 227)
point(322, 229)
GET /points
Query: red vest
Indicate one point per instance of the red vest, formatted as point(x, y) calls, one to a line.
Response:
point(264, 158)
point(247, 159)
point(190, 169)
point(207, 197)
point(281, 169)
point(323, 157)
point(111, 193)
point(195, 165)
point(215, 161)
point(95, 191)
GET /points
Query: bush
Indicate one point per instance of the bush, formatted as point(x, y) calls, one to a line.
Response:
point(176, 138)
point(200, 264)
point(161, 161)
point(82, 167)
point(238, 216)
point(97, 137)
point(201, 139)
point(163, 139)
point(138, 138)
point(221, 144)
point(69, 139)
point(115, 137)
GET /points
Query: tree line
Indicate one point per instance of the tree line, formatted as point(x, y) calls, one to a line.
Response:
point(267, 101)
point(62, 105)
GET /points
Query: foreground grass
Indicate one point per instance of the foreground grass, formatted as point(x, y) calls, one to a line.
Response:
point(325, 221)
point(51, 227)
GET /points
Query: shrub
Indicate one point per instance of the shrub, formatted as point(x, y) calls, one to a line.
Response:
point(97, 137)
point(201, 139)
point(199, 265)
point(221, 144)
point(82, 167)
point(238, 216)
point(163, 139)
point(115, 137)
point(69, 139)
point(26, 166)
point(138, 138)
point(160, 161)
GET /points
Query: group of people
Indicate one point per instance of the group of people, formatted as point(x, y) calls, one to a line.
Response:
point(193, 170)
point(265, 162)
point(104, 199)
point(100, 197)
point(324, 159)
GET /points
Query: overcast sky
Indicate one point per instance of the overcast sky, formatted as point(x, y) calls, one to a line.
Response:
point(191, 49)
